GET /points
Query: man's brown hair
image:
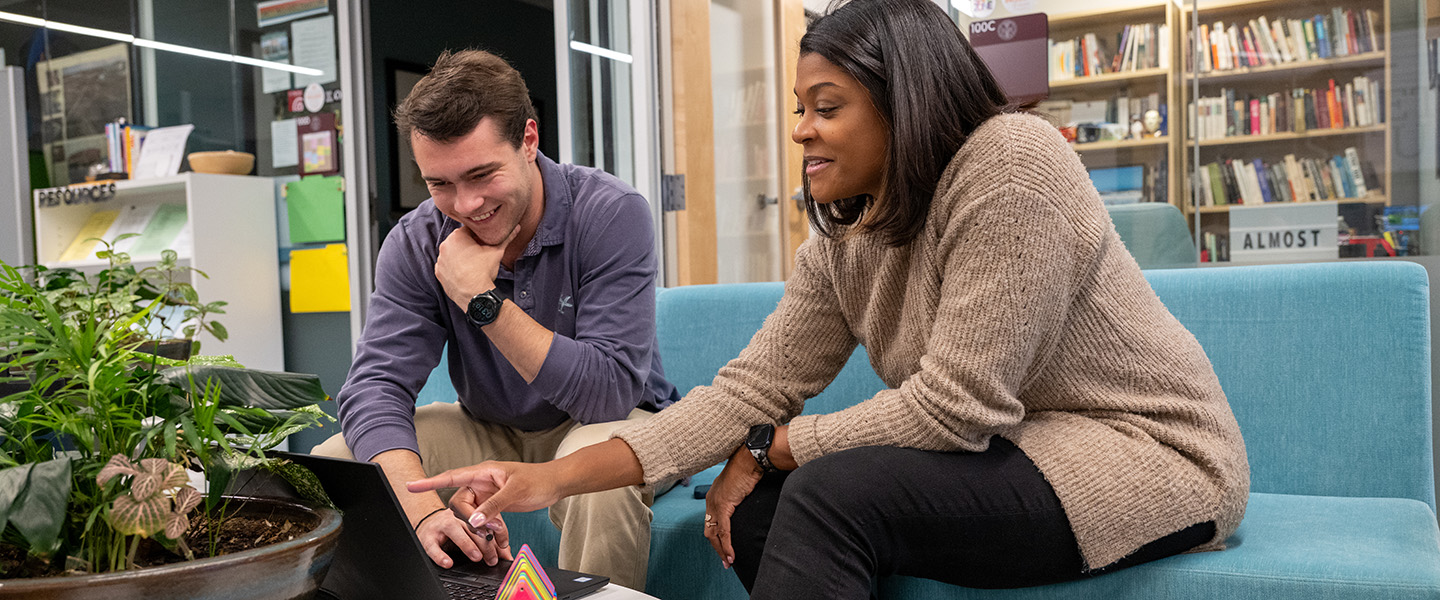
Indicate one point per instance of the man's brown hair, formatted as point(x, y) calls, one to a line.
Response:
point(460, 90)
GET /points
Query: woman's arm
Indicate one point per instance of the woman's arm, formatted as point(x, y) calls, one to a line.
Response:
point(801, 347)
point(520, 487)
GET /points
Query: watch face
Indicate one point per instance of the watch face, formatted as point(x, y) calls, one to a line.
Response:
point(484, 308)
point(760, 436)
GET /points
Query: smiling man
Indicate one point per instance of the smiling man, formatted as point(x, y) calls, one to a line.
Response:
point(540, 278)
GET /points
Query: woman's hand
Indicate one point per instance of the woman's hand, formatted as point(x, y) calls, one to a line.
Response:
point(493, 539)
point(734, 483)
point(490, 487)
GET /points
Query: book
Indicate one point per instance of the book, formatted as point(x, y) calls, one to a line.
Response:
point(1352, 160)
point(1262, 181)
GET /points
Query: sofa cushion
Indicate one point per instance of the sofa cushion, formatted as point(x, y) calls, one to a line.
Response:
point(1288, 547)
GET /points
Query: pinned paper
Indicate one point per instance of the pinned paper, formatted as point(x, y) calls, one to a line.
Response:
point(284, 147)
point(526, 579)
point(315, 207)
point(319, 280)
point(312, 44)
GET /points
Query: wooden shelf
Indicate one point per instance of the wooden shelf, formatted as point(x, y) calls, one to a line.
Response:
point(1112, 80)
point(1290, 136)
point(1370, 199)
point(1107, 17)
point(1213, 11)
point(1120, 144)
point(1368, 60)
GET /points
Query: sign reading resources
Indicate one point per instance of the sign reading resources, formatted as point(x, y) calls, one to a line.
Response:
point(1284, 232)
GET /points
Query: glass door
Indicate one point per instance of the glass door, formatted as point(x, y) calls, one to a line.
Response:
point(744, 86)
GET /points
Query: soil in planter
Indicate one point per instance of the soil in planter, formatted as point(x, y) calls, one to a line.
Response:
point(237, 534)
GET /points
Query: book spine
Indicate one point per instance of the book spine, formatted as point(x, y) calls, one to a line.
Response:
point(1262, 181)
point(1352, 160)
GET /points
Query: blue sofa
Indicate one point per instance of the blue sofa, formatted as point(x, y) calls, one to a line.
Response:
point(1327, 367)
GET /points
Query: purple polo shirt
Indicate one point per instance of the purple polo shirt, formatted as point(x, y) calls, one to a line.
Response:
point(588, 275)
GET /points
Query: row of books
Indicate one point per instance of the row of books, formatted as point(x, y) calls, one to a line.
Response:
point(1248, 182)
point(1216, 248)
point(1358, 103)
point(1262, 42)
point(1140, 46)
point(122, 141)
point(1120, 108)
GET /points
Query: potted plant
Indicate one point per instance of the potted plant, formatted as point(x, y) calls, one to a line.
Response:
point(121, 289)
point(113, 461)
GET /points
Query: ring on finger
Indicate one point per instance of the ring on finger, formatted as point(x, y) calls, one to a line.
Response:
point(489, 536)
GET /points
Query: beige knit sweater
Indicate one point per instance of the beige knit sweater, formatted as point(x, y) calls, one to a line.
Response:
point(1016, 312)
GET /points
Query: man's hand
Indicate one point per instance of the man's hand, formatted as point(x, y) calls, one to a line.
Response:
point(466, 267)
point(488, 544)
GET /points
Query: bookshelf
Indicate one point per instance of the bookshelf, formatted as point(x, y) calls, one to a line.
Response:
point(223, 225)
point(1143, 77)
point(1290, 77)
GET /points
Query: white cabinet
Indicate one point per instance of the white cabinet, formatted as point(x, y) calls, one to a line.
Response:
point(228, 232)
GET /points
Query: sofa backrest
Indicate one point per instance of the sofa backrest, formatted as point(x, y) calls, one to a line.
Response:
point(702, 327)
point(1327, 366)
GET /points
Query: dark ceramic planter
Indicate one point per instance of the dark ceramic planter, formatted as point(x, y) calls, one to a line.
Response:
point(283, 571)
point(172, 349)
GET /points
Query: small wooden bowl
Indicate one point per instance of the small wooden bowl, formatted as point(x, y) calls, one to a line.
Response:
point(226, 162)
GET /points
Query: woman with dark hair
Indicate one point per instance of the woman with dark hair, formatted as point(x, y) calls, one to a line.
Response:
point(1046, 419)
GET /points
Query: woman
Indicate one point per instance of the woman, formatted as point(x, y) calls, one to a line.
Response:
point(1047, 418)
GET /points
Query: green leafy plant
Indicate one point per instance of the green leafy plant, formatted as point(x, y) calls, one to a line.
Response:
point(160, 294)
point(96, 446)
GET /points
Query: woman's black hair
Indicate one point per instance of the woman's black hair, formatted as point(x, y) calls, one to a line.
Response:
point(931, 89)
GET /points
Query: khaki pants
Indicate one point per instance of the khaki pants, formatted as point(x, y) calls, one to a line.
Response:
point(606, 533)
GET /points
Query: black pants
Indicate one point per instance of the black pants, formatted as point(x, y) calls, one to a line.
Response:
point(983, 520)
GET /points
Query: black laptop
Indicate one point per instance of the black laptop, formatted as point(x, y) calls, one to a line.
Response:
point(379, 557)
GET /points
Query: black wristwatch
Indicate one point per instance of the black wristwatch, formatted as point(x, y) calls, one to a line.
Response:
point(758, 442)
point(484, 308)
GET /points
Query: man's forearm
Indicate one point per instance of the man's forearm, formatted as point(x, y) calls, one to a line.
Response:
point(401, 466)
point(524, 342)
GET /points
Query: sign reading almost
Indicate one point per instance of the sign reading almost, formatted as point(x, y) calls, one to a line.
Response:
point(1284, 232)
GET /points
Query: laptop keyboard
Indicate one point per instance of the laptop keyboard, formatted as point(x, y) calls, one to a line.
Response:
point(470, 590)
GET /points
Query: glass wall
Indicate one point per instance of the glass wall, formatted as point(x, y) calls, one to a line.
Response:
point(601, 60)
point(156, 63)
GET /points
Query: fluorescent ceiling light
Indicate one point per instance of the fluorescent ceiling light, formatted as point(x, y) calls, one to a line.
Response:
point(598, 51)
point(144, 43)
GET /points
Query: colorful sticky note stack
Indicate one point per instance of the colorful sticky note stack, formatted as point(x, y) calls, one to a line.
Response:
point(526, 579)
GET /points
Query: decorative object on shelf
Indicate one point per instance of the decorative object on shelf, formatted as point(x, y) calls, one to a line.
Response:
point(225, 162)
point(1152, 123)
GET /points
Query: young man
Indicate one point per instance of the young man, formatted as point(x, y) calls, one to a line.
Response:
point(541, 279)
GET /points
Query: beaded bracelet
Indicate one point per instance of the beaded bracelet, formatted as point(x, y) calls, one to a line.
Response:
point(432, 513)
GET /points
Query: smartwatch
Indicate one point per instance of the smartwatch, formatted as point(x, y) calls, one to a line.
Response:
point(484, 308)
point(758, 442)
